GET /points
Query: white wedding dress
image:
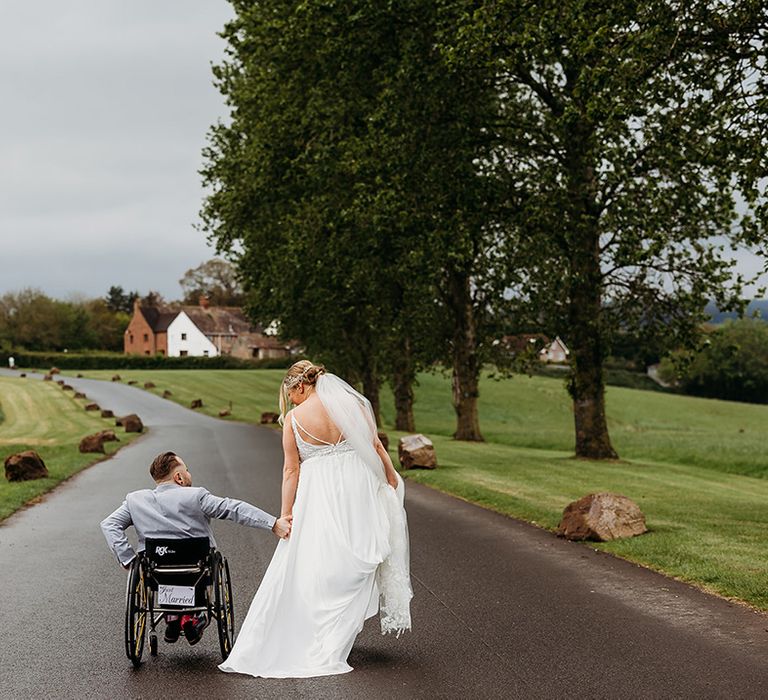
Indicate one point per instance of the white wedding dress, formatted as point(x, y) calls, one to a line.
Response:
point(328, 577)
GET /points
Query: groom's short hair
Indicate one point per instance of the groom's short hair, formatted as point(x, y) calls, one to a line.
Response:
point(163, 465)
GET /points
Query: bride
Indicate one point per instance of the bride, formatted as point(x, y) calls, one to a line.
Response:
point(347, 556)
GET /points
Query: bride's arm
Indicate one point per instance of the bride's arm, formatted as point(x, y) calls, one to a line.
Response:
point(389, 468)
point(290, 468)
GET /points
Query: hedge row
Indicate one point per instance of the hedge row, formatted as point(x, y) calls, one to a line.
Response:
point(72, 360)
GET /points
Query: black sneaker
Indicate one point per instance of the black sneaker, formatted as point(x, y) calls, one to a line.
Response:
point(193, 627)
point(172, 631)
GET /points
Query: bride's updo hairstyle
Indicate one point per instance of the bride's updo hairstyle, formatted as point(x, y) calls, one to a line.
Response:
point(302, 372)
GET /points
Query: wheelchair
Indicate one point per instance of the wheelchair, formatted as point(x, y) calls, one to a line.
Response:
point(177, 576)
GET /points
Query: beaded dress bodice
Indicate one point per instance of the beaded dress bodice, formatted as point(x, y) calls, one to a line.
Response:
point(307, 450)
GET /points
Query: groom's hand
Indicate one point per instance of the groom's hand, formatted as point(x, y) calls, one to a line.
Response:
point(282, 526)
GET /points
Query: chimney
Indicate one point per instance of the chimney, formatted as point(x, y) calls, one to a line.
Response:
point(204, 303)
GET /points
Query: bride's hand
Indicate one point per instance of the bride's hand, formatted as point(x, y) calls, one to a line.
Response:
point(282, 526)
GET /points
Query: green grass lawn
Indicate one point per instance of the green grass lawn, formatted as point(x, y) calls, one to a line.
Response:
point(40, 416)
point(696, 467)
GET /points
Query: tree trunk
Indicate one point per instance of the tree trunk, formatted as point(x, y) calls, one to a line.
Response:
point(466, 365)
point(403, 376)
point(585, 303)
point(586, 385)
point(371, 386)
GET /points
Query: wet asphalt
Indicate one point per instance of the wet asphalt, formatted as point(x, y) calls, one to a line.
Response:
point(501, 609)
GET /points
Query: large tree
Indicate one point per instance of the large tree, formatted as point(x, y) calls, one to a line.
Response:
point(611, 135)
point(216, 280)
point(349, 179)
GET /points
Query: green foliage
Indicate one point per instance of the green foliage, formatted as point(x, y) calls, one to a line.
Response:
point(618, 138)
point(347, 180)
point(119, 300)
point(395, 175)
point(216, 280)
point(32, 320)
point(732, 364)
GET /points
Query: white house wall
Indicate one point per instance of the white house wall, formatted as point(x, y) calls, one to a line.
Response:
point(195, 343)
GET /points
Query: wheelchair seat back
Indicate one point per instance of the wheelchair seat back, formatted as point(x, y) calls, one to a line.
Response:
point(188, 551)
point(179, 562)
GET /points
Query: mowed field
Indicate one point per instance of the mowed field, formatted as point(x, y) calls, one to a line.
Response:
point(698, 468)
point(40, 416)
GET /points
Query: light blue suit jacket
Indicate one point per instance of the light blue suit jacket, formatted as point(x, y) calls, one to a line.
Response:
point(173, 511)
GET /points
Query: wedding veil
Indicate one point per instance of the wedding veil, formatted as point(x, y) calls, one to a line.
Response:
point(353, 416)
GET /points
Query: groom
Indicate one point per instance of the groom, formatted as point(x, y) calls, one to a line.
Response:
point(175, 509)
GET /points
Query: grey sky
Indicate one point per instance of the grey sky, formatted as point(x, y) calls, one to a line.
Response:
point(105, 107)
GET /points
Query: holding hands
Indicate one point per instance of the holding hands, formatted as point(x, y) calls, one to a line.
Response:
point(282, 526)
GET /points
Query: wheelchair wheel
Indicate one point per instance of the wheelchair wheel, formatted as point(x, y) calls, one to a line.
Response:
point(135, 613)
point(225, 611)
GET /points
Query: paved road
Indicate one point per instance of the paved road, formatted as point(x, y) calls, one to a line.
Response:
point(501, 609)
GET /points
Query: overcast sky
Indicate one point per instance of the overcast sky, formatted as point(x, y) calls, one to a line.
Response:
point(105, 107)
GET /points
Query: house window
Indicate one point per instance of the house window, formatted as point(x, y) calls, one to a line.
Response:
point(183, 336)
point(146, 338)
point(162, 352)
point(183, 353)
point(146, 352)
point(205, 353)
point(130, 338)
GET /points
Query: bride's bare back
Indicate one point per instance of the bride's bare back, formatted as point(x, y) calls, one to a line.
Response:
point(314, 423)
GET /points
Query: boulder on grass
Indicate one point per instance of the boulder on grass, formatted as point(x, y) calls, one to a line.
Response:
point(384, 438)
point(116, 378)
point(95, 442)
point(54, 370)
point(23, 374)
point(224, 412)
point(92, 443)
point(109, 436)
point(24, 466)
point(67, 387)
point(196, 403)
point(269, 417)
point(416, 452)
point(132, 423)
point(47, 378)
point(79, 376)
point(92, 407)
point(601, 517)
point(60, 382)
point(149, 385)
point(106, 413)
point(167, 394)
point(132, 382)
point(79, 395)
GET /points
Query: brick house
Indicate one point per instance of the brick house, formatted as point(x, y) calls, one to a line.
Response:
point(147, 333)
point(201, 331)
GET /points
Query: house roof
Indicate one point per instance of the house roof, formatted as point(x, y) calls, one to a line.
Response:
point(158, 318)
point(219, 320)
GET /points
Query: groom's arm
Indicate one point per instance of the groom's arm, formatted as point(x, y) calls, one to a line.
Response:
point(232, 509)
point(114, 527)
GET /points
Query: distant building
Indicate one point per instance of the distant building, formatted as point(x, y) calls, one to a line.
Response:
point(198, 331)
point(554, 351)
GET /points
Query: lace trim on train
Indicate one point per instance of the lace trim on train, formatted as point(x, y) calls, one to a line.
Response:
point(393, 575)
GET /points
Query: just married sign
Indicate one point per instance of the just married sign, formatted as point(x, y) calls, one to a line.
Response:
point(176, 595)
